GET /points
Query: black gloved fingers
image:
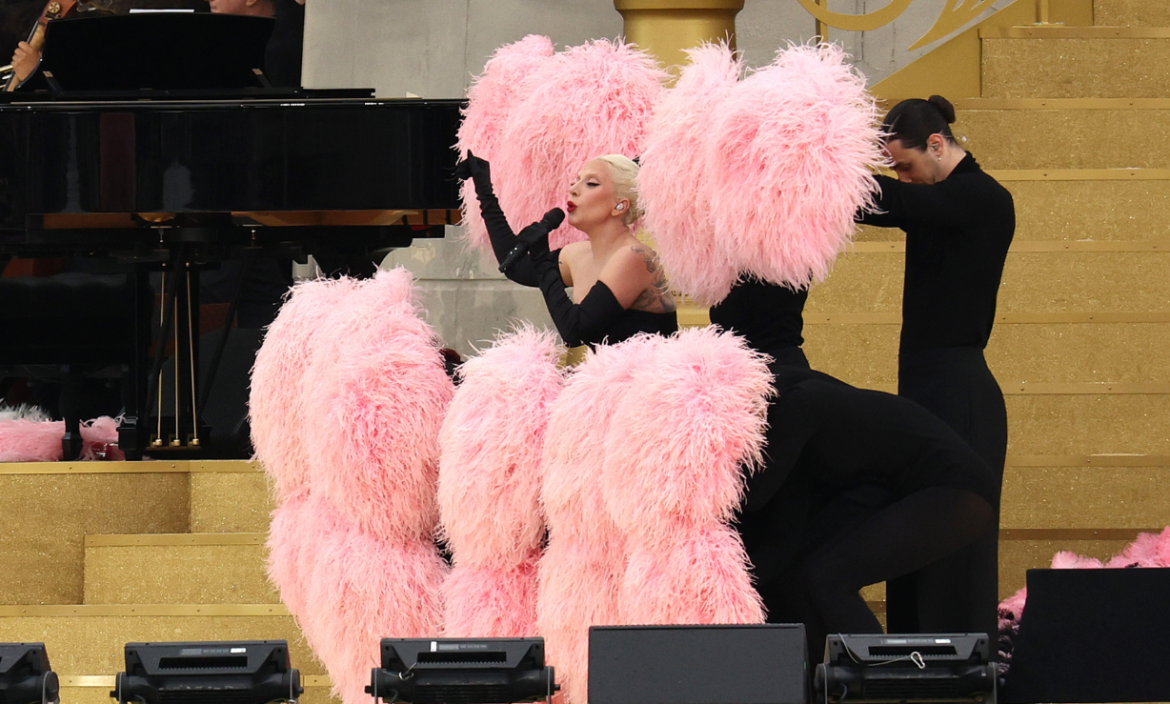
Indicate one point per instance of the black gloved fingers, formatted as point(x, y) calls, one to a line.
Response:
point(474, 167)
point(536, 237)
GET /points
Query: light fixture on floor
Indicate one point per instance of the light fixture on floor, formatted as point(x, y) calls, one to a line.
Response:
point(463, 671)
point(25, 675)
point(223, 672)
point(926, 667)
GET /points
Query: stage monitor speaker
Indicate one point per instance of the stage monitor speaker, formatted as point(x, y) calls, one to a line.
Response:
point(1092, 636)
point(731, 664)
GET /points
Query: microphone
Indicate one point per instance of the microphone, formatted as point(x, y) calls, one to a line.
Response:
point(551, 221)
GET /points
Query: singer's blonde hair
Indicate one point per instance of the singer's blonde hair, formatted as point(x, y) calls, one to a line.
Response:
point(623, 171)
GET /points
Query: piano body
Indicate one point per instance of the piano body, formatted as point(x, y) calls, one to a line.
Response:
point(176, 170)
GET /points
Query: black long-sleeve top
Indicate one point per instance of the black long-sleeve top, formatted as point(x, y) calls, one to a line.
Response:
point(957, 236)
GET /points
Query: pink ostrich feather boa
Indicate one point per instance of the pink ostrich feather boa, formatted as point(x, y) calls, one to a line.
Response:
point(538, 117)
point(1148, 550)
point(26, 439)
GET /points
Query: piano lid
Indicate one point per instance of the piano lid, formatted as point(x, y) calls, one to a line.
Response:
point(156, 51)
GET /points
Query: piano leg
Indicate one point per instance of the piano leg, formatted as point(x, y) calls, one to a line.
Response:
point(72, 443)
point(134, 431)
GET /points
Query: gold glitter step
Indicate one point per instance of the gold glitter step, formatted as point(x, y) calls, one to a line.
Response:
point(47, 509)
point(204, 568)
point(1034, 282)
point(1066, 137)
point(1069, 65)
point(89, 640)
point(230, 502)
point(1143, 13)
point(1019, 353)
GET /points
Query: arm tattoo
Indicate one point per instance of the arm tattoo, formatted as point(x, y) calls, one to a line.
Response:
point(657, 297)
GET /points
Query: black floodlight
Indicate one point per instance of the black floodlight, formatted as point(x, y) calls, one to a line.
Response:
point(230, 672)
point(463, 671)
point(25, 675)
point(924, 667)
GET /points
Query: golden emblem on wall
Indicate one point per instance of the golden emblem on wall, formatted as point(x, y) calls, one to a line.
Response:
point(955, 15)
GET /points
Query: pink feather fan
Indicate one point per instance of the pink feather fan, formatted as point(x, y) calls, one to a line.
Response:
point(491, 602)
point(691, 425)
point(489, 484)
point(580, 573)
point(588, 101)
point(299, 524)
point(374, 452)
point(491, 441)
point(363, 589)
point(672, 476)
point(673, 180)
point(575, 439)
point(505, 82)
point(790, 159)
point(702, 578)
point(275, 403)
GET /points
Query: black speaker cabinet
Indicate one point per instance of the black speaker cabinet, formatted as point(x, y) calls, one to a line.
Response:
point(740, 664)
point(1092, 636)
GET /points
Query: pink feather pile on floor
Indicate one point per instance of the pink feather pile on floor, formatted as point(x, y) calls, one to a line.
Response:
point(1148, 550)
point(34, 438)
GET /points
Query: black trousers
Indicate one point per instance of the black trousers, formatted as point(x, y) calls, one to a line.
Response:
point(958, 594)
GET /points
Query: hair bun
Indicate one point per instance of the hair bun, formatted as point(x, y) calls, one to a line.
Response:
point(944, 106)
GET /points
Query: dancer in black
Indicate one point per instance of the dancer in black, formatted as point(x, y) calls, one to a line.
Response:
point(619, 287)
point(811, 547)
point(959, 223)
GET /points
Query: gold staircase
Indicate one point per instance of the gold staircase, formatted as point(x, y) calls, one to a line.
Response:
point(100, 554)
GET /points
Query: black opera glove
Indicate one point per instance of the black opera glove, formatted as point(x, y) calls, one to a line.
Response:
point(499, 231)
point(587, 322)
point(537, 236)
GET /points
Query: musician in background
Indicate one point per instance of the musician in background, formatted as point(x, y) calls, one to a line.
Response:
point(256, 8)
point(24, 61)
point(282, 58)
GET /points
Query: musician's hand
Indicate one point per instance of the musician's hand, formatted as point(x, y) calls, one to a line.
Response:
point(25, 60)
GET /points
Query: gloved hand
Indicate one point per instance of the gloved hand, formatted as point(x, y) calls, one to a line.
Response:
point(536, 235)
point(478, 170)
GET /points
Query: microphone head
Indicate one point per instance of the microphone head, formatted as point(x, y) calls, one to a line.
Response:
point(553, 218)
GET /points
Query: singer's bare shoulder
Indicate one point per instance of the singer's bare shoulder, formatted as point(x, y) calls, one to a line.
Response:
point(574, 257)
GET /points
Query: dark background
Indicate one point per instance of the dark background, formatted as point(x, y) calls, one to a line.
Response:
point(18, 16)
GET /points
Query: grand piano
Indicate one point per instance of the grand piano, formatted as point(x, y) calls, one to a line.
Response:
point(155, 141)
